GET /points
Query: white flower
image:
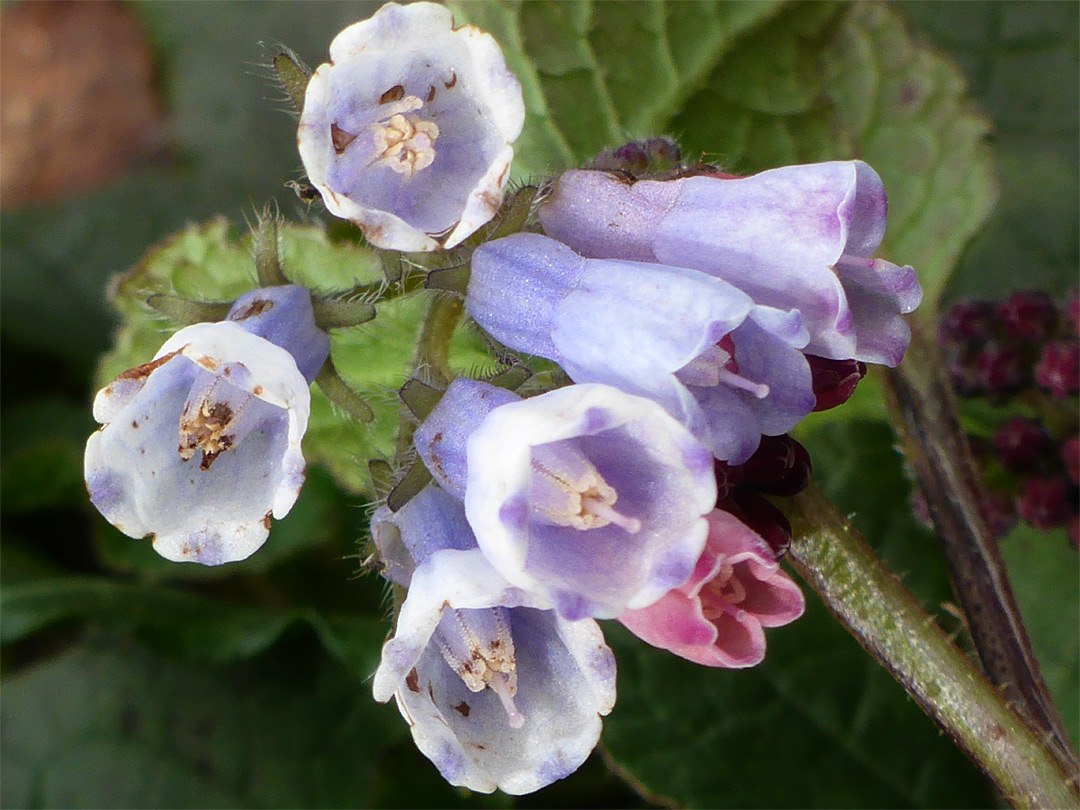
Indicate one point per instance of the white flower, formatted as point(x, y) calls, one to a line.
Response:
point(201, 446)
point(407, 131)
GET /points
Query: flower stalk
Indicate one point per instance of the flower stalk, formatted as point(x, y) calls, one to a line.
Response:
point(875, 607)
point(923, 408)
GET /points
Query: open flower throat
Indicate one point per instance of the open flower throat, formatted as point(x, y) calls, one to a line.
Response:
point(567, 490)
point(401, 139)
point(212, 421)
point(477, 645)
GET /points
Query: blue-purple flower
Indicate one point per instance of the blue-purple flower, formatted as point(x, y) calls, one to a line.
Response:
point(730, 370)
point(200, 447)
point(797, 237)
point(407, 131)
point(498, 691)
point(589, 497)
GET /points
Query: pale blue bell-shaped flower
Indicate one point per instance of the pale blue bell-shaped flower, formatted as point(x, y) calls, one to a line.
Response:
point(797, 237)
point(587, 496)
point(727, 368)
point(498, 690)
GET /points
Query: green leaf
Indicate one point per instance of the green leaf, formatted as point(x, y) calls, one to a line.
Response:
point(804, 729)
point(181, 623)
point(595, 75)
point(1024, 68)
point(909, 116)
point(213, 262)
point(1042, 570)
point(110, 725)
point(754, 86)
point(814, 710)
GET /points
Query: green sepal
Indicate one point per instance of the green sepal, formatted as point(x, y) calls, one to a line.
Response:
point(515, 375)
point(391, 264)
point(341, 395)
point(420, 398)
point(267, 255)
point(382, 477)
point(185, 312)
point(337, 313)
point(453, 279)
point(292, 74)
point(408, 487)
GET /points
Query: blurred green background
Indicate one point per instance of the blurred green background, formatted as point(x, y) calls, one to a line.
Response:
point(130, 682)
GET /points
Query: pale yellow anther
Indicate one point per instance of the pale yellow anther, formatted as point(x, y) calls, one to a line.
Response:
point(585, 501)
point(406, 144)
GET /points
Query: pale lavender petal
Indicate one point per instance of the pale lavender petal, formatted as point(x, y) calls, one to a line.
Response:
point(602, 216)
point(284, 316)
point(661, 477)
point(441, 440)
point(407, 131)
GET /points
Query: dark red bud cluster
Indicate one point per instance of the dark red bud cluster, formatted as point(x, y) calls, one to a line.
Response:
point(1025, 346)
point(780, 466)
point(834, 381)
point(1029, 315)
point(1023, 444)
point(1001, 349)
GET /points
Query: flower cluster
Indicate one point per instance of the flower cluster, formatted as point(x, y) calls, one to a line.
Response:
point(696, 319)
point(694, 343)
point(1022, 354)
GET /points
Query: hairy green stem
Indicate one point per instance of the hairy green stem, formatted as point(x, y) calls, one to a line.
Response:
point(870, 601)
point(924, 413)
point(433, 349)
point(432, 355)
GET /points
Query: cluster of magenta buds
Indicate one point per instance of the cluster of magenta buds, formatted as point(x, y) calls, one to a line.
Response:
point(1006, 349)
point(687, 321)
point(1022, 356)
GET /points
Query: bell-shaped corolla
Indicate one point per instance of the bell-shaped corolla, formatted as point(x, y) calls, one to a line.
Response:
point(200, 447)
point(718, 618)
point(727, 368)
point(499, 691)
point(407, 130)
point(586, 496)
point(797, 237)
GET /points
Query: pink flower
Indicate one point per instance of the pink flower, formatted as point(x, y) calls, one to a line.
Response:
point(718, 617)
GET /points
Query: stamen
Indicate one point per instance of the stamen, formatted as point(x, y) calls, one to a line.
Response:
point(567, 490)
point(501, 687)
point(717, 365)
point(208, 413)
point(406, 145)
